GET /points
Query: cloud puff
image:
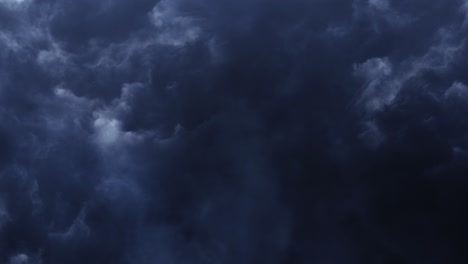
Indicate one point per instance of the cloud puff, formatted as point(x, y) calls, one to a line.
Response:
point(380, 90)
point(384, 80)
point(173, 29)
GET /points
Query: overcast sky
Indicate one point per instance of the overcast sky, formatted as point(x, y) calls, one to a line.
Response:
point(233, 132)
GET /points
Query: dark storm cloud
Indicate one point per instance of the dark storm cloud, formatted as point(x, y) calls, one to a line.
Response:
point(210, 131)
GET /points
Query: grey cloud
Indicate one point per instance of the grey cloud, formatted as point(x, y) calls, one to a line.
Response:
point(457, 90)
point(380, 89)
point(19, 259)
point(173, 29)
point(232, 131)
point(385, 80)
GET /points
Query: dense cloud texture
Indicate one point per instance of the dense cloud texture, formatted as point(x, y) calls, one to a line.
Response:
point(249, 131)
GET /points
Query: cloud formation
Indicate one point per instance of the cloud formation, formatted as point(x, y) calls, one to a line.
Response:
point(208, 131)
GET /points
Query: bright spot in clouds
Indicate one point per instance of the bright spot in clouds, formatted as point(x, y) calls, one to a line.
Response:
point(14, 3)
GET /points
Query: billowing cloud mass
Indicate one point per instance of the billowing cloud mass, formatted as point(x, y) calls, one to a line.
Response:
point(249, 131)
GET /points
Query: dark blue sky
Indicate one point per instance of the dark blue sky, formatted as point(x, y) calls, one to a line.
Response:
point(233, 132)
